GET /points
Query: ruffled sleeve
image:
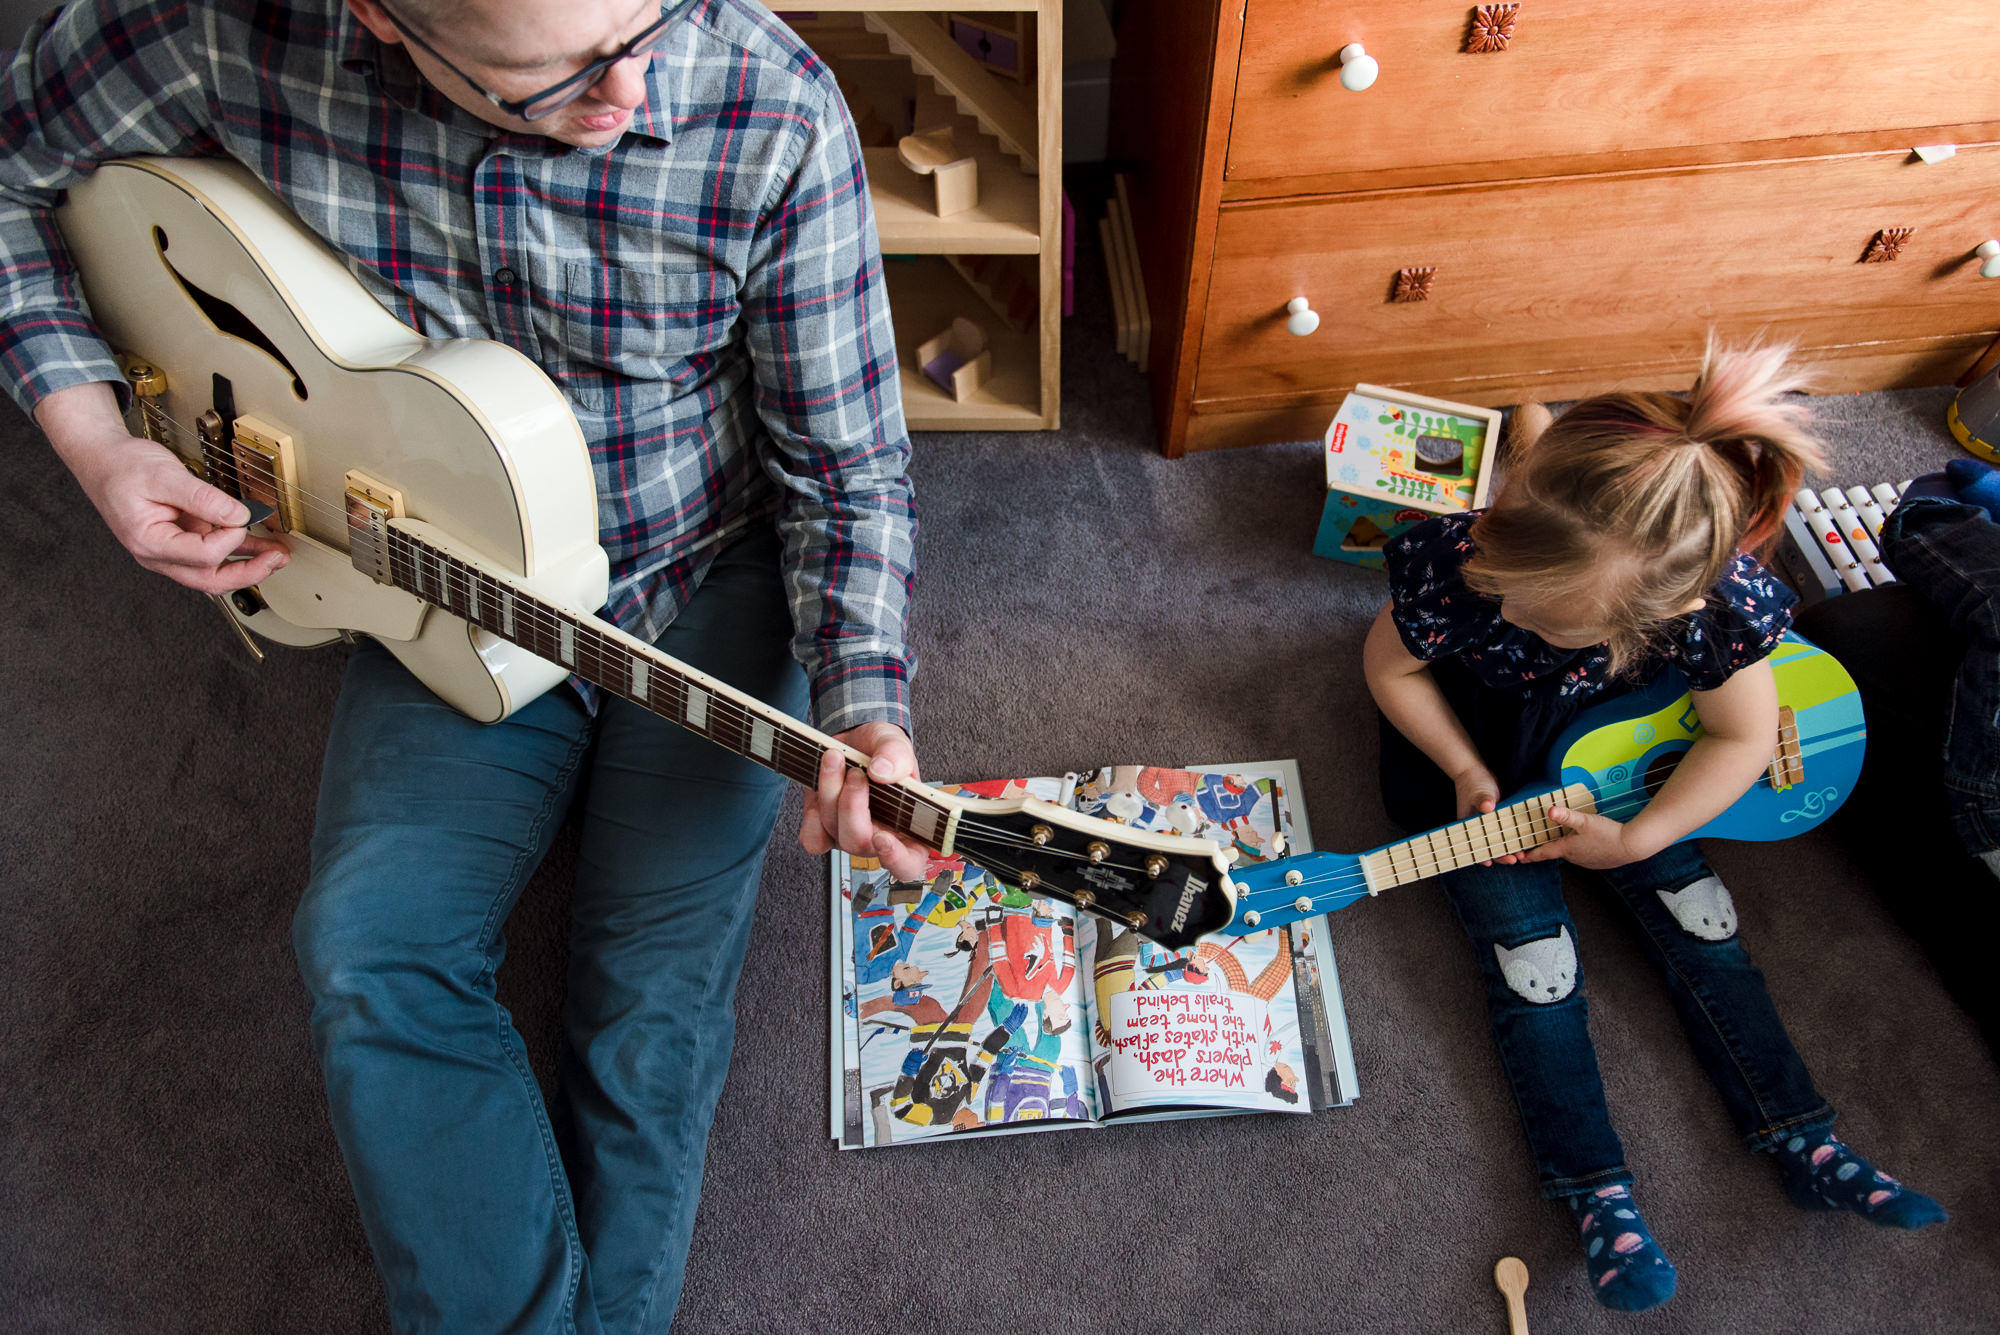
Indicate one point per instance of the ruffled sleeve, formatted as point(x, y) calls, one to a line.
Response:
point(1434, 611)
point(1747, 613)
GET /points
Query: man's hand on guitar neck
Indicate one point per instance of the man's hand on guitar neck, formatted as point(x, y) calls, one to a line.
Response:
point(172, 522)
point(836, 813)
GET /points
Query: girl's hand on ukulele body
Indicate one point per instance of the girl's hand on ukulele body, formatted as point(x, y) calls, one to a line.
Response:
point(1590, 840)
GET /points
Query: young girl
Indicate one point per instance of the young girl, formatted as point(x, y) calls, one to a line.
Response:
point(1617, 546)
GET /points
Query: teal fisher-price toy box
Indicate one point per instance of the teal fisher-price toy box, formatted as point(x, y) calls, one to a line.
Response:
point(1394, 459)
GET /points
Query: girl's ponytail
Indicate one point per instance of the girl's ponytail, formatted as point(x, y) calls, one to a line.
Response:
point(1738, 408)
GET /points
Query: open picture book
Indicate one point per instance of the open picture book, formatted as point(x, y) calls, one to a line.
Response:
point(963, 1006)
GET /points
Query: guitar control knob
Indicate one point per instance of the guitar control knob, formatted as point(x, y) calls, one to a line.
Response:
point(1357, 68)
point(1097, 850)
point(1084, 899)
point(1041, 834)
point(1029, 880)
point(1300, 318)
point(1137, 917)
point(1156, 866)
point(1294, 876)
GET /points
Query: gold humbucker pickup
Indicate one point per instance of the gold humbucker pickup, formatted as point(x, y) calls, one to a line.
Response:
point(266, 471)
point(370, 507)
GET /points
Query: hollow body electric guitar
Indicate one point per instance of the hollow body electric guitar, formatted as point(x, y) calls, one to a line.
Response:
point(437, 495)
point(1611, 760)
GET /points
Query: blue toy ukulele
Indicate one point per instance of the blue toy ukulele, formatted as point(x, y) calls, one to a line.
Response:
point(1611, 760)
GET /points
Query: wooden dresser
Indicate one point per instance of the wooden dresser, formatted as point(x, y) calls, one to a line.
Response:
point(1590, 196)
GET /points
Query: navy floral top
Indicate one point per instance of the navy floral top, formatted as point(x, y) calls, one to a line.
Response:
point(1747, 612)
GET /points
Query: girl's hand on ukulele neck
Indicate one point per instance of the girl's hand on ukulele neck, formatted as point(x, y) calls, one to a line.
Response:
point(1478, 792)
point(1590, 840)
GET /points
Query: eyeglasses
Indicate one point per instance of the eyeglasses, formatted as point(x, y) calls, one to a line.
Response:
point(556, 96)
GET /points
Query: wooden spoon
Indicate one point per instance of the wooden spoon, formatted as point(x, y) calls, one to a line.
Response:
point(1512, 1277)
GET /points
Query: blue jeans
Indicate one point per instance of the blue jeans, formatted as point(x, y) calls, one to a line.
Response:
point(1522, 933)
point(488, 1212)
point(1950, 552)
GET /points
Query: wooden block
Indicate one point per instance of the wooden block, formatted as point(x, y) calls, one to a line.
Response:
point(1123, 199)
point(958, 360)
point(1119, 315)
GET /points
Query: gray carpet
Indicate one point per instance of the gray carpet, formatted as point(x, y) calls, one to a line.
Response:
point(165, 1158)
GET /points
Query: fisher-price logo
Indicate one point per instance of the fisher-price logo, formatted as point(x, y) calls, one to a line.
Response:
point(1339, 438)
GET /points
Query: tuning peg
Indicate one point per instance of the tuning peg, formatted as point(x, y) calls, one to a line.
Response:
point(1294, 876)
point(1041, 834)
point(1137, 917)
point(1279, 842)
point(1097, 850)
point(1156, 866)
point(1029, 880)
point(1084, 899)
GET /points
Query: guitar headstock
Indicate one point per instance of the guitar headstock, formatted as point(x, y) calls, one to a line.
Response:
point(1168, 888)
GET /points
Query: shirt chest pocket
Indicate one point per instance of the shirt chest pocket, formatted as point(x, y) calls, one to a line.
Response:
point(666, 327)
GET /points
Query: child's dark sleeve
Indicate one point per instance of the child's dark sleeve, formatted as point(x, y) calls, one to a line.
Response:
point(1434, 612)
point(1747, 613)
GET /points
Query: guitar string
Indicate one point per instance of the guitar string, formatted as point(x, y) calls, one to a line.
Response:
point(803, 755)
point(591, 642)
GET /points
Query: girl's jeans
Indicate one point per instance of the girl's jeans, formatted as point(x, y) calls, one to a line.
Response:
point(487, 1211)
point(1523, 937)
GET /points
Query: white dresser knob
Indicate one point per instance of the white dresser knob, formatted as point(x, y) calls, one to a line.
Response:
point(1301, 319)
point(1357, 68)
point(1990, 252)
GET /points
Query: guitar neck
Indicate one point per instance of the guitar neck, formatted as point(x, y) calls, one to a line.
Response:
point(631, 669)
point(1514, 828)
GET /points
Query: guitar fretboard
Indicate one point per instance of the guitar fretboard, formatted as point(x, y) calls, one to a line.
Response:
point(1514, 828)
point(627, 667)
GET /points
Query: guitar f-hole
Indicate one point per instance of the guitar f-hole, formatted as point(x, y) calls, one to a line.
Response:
point(226, 318)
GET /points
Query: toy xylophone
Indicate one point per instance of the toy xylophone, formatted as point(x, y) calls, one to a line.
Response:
point(1832, 536)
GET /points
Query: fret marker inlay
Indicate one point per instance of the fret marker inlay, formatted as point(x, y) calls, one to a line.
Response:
point(507, 613)
point(566, 647)
point(697, 709)
point(761, 733)
point(639, 671)
point(924, 821)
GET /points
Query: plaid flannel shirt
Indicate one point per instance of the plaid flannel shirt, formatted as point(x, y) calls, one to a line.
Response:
point(707, 292)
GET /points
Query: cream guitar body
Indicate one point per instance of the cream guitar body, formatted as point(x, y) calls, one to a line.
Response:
point(472, 435)
point(438, 496)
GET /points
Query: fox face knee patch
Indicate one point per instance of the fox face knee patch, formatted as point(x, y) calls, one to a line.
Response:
point(1542, 971)
point(1703, 909)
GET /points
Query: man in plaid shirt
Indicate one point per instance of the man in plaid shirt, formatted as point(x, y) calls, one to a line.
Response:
point(664, 207)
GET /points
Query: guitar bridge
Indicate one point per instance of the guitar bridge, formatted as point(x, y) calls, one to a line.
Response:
point(1788, 766)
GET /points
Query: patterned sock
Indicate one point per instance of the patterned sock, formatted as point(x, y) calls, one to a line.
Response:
point(1822, 1173)
point(1628, 1271)
point(1976, 483)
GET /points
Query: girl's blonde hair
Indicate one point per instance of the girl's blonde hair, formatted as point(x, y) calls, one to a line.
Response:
point(1630, 506)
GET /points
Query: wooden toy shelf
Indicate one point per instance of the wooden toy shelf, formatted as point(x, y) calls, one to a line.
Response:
point(902, 71)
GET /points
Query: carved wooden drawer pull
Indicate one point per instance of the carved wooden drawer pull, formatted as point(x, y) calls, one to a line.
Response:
point(1492, 28)
point(1413, 284)
point(1887, 245)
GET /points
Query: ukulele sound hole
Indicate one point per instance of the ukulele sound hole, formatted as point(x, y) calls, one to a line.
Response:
point(227, 318)
point(1662, 766)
